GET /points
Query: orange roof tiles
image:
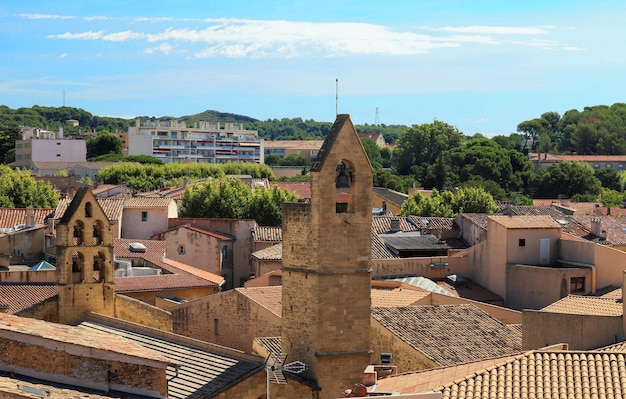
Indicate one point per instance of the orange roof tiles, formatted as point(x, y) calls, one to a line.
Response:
point(19, 296)
point(586, 305)
point(147, 202)
point(301, 189)
point(77, 336)
point(526, 221)
point(294, 144)
point(275, 252)
point(11, 217)
point(194, 229)
point(534, 374)
point(112, 207)
point(434, 331)
point(270, 297)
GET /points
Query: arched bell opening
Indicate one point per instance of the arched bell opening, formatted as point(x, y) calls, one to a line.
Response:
point(78, 267)
point(344, 182)
point(78, 236)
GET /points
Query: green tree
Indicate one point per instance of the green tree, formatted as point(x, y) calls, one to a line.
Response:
point(232, 198)
point(266, 205)
point(449, 203)
point(481, 159)
point(294, 160)
point(272, 160)
point(373, 152)
point(566, 179)
point(8, 136)
point(421, 145)
point(104, 143)
point(18, 189)
point(609, 178)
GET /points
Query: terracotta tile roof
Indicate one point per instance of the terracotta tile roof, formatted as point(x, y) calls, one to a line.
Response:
point(176, 275)
point(294, 144)
point(267, 233)
point(19, 296)
point(479, 219)
point(20, 387)
point(428, 380)
point(613, 226)
point(586, 305)
point(382, 224)
point(301, 189)
point(112, 207)
point(204, 370)
point(534, 374)
point(610, 293)
point(11, 217)
point(275, 252)
point(525, 222)
point(379, 249)
point(530, 210)
point(147, 202)
point(270, 297)
point(154, 248)
point(220, 236)
point(397, 297)
point(79, 336)
point(617, 347)
point(471, 290)
point(582, 158)
point(433, 223)
point(434, 331)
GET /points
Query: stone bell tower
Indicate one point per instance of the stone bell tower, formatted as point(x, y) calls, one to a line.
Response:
point(326, 265)
point(84, 262)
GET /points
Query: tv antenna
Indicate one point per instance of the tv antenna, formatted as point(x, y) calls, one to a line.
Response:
point(336, 97)
point(274, 367)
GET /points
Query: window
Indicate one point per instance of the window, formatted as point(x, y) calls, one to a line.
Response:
point(216, 326)
point(144, 216)
point(58, 155)
point(58, 143)
point(522, 242)
point(577, 285)
point(181, 249)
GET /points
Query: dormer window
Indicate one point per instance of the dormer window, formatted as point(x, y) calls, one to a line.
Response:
point(88, 210)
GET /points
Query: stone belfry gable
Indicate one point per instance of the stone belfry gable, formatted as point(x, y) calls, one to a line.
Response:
point(84, 261)
point(326, 265)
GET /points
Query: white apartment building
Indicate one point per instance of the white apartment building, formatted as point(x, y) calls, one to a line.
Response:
point(43, 146)
point(173, 141)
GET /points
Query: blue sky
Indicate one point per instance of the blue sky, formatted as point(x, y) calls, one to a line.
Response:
point(482, 66)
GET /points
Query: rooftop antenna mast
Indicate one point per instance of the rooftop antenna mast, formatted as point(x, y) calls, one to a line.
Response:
point(377, 121)
point(336, 97)
point(274, 366)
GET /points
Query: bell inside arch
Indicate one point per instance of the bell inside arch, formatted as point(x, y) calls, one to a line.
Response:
point(343, 179)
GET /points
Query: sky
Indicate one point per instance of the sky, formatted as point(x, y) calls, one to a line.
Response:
point(481, 66)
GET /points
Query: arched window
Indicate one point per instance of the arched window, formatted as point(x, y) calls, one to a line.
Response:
point(79, 233)
point(78, 267)
point(344, 178)
point(99, 262)
point(98, 233)
point(88, 212)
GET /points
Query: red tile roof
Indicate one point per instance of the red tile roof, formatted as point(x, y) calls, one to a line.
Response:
point(11, 217)
point(112, 207)
point(147, 202)
point(19, 296)
point(194, 229)
point(301, 189)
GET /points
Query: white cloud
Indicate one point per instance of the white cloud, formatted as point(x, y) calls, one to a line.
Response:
point(90, 35)
point(64, 55)
point(280, 38)
point(498, 30)
point(45, 16)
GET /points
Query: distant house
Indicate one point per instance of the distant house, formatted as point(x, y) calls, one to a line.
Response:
point(142, 217)
point(206, 250)
point(377, 138)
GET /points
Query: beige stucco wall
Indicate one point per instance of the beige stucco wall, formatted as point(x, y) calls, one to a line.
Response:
point(534, 287)
point(27, 276)
point(200, 250)
point(133, 227)
point(266, 266)
point(610, 265)
point(23, 246)
point(530, 253)
point(458, 264)
point(405, 357)
point(578, 331)
point(188, 294)
point(242, 246)
point(135, 311)
point(239, 320)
